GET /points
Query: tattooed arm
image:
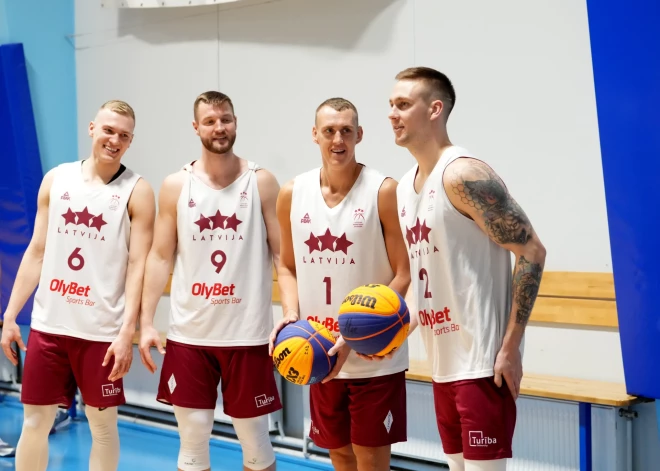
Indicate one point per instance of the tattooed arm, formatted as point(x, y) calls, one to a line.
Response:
point(479, 194)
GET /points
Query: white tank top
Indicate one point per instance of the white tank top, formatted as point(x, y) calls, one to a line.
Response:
point(461, 280)
point(336, 250)
point(81, 288)
point(222, 284)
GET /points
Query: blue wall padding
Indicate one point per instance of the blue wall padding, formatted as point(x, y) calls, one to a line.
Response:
point(21, 171)
point(625, 45)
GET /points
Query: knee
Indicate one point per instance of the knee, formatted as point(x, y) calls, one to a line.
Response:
point(38, 420)
point(373, 458)
point(344, 457)
point(195, 427)
point(102, 423)
point(252, 433)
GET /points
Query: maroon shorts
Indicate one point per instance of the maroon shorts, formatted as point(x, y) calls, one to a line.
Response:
point(190, 376)
point(369, 412)
point(476, 418)
point(55, 365)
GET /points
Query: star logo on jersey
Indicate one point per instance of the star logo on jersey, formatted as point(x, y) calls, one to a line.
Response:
point(327, 241)
point(218, 221)
point(403, 212)
point(417, 233)
point(83, 218)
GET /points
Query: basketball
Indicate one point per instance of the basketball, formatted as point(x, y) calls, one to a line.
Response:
point(374, 320)
point(301, 352)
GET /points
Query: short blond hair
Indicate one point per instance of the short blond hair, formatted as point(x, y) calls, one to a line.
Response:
point(339, 104)
point(119, 107)
point(212, 98)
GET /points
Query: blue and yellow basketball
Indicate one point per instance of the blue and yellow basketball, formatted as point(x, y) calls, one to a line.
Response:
point(374, 320)
point(301, 352)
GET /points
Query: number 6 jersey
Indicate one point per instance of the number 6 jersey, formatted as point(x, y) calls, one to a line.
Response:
point(222, 284)
point(83, 276)
point(336, 250)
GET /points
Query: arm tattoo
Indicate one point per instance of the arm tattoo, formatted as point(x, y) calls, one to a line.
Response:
point(504, 219)
point(526, 282)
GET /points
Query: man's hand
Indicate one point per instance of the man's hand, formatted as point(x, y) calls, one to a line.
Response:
point(289, 318)
point(11, 333)
point(508, 364)
point(149, 337)
point(122, 350)
point(389, 356)
point(341, 349)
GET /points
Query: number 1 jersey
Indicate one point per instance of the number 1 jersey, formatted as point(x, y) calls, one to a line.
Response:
point(336, 250)
point(83, 276)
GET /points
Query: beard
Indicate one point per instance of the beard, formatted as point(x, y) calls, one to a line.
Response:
point(218, 147)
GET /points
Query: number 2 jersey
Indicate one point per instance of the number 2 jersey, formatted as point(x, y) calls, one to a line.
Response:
point(83, 277)
point(222, 283)
point(336, 250)
point(461, 280)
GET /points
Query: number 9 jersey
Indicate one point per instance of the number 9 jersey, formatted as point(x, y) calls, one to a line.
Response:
point(336, 250)
point(222, 283)
point(83, 276)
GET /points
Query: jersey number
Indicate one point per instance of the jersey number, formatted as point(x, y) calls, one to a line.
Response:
point(423, 274)
point(328, 289)
point(76, 261)
point(218, 259)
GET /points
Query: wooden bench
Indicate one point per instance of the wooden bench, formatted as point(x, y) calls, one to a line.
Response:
point(584, 392)
point(569, 298)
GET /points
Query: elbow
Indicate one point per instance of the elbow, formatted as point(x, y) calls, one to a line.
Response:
point(535, 252)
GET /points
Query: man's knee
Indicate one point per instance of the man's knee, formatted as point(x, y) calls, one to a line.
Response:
point(252, 433)
point(373, 458)
point(37, 420)
point(343, 458)
point(102, 423)
point(195, 426)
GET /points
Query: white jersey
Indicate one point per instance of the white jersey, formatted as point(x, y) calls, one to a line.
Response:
point(81, 290)
point(461, 280)
point(222, 284)
point(336, 250)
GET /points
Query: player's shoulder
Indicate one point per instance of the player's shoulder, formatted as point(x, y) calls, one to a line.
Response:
point(170, 188)
point(305, 182)
point(264, 176)
point(312, 173)
point(467, 166)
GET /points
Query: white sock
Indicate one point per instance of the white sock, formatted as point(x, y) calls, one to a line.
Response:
point(32, 448)
point(455, 462)
point(487, 465)
point(105, 438)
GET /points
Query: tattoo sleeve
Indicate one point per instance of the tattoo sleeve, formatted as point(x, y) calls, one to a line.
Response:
point(526, 282)
point(505, 223)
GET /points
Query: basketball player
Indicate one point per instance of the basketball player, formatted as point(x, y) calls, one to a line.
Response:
point(92, 233)
point(461, 225)
point(217, 220)
point(340, 231)
point(6, 450)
